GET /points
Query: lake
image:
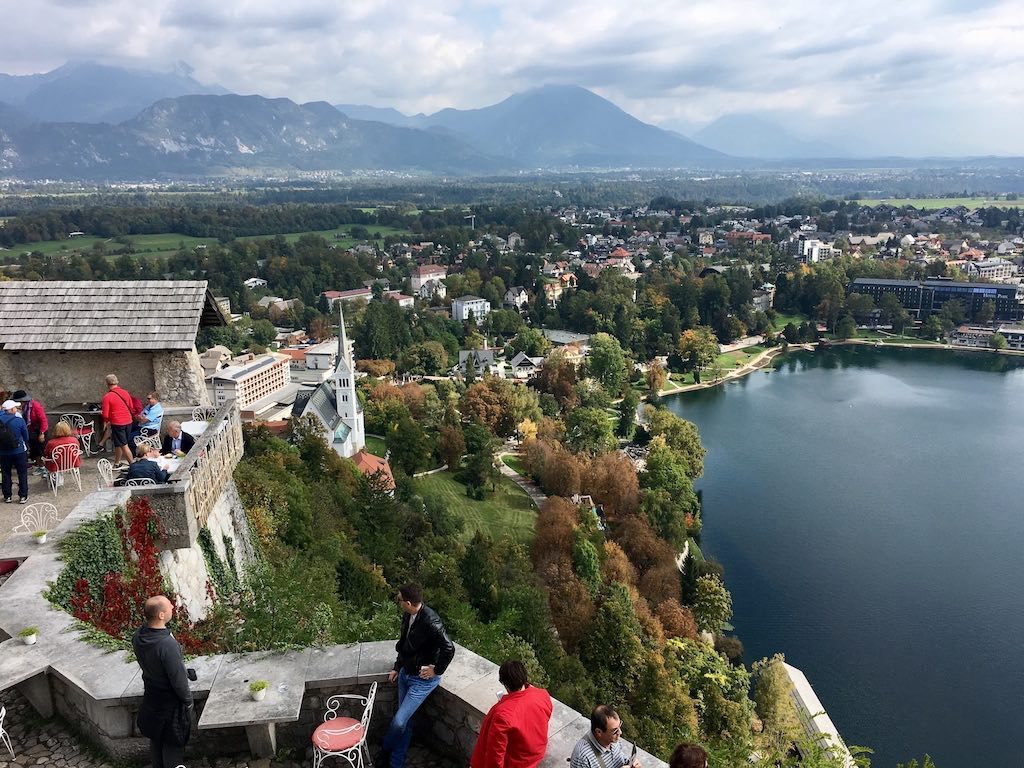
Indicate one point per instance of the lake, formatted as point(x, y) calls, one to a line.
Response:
point(866, 504)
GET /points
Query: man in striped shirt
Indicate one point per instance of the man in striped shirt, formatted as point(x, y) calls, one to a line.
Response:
point(601, 747)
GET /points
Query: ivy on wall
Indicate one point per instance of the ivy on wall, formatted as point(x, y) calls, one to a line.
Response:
point(223, 576)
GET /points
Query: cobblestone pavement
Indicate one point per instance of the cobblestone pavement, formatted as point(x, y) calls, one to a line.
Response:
point(48, 743)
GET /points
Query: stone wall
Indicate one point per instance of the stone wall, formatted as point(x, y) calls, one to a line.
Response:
point(77, 377)
point(186, 568)
point(179, 378)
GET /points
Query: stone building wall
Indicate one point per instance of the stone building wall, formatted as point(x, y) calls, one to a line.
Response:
point(77, 377)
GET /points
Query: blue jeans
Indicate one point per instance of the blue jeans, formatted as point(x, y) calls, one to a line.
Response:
point(412, 691)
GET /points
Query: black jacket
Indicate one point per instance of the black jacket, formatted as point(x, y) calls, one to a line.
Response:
point(187, 441)
point(147, 468)
point(428, 643)
point(165, 682)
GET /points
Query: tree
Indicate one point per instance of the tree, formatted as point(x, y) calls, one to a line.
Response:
point(607, 362)
point(531, 341)
point(627, 414)
point(588, 430)
point(409, 448)
point(680, 435)
point(998, 341)
point(451, 445)
point(263, 332)
point(951, 315)
point(986, 312)
point(656, 377)
point(773, 703)
point(846, 328)
point(558, 378)
point(712, 605)
point(698, 348)
point(932, 328)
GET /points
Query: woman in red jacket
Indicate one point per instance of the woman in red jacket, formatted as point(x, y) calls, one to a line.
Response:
point(62, 435)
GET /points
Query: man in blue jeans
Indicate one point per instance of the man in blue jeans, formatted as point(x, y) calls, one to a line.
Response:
point(424, 653)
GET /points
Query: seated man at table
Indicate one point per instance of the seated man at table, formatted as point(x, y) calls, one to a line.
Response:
point(146, 465)
point(176, 440)
point(147, 423)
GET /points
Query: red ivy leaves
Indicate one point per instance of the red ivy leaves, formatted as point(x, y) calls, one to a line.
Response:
point(119, 611)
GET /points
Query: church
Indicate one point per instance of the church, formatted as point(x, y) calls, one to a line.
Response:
point(335, 404)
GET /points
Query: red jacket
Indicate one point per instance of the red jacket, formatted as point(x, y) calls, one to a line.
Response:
point(514, 734)
point(52, 443)
point(117, 407)
point(35, 417)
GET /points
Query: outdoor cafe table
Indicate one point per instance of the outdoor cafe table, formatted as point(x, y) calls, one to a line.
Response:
point(195, 428)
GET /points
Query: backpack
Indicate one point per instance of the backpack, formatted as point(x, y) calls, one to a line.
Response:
point(8, 439)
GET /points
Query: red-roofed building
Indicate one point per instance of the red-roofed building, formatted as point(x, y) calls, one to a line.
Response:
point(369, 465)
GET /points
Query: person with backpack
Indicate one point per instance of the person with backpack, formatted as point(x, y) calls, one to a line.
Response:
point(118, 412)
point(13, 451)
point(34, 414)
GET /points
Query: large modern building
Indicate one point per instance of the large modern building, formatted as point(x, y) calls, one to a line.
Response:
point(250, 381)
point(466, 306)
point(921, 299)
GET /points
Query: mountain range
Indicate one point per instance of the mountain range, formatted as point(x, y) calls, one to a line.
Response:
point(92, 121)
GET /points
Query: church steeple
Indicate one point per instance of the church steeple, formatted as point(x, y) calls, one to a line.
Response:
point(353, 434)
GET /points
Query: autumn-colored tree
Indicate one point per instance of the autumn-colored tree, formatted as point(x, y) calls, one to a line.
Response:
point(415, 398)
point(612, 480)
point(451, 445)
point(656, 377)
point(527, 430)
point(677, 619)
point(554, 539)
point(660, 583)
point(572, 608)
point(558, 378)
point(535, 457)
point(641, 545)
point(698, 347)
point(562, 473)
point(482, 405)
point(616, 566)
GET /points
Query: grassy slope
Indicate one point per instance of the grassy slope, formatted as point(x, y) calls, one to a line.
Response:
point(507, 511)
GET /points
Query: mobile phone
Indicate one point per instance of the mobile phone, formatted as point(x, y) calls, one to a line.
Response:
point(191, 674)
point(632, 756)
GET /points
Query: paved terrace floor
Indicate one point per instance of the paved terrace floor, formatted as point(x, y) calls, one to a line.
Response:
point(51, 743)
point(39, 489)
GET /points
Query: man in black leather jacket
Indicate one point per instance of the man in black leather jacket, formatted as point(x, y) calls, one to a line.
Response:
point(166, 698)
point(424, 653)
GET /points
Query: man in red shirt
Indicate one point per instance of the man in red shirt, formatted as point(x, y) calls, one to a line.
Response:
point(117, 412)
point(514, 734)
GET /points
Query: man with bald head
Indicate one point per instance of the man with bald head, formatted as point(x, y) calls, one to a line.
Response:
point(166, 700)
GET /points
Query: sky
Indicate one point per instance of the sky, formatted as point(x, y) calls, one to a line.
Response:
point(910, 77)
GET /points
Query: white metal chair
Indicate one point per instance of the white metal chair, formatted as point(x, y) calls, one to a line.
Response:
point(106, 470)
point(153, 442)
point(344, 737)
point(82, 430)
point(41, 516)
point(64, 458)
point(3, 734)
point(135, 482)
point(203, 413)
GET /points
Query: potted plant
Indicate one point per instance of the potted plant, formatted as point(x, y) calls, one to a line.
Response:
point(40, 536)
point(29, 635)
point(258, 689)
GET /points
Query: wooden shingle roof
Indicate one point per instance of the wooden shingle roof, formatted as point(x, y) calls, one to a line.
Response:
point(96, 315)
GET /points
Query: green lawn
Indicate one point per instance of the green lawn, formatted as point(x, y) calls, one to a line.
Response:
point(507, 511)
point(375, 445)
point(169, 243)
point(909, 340)
point(781, 319)
point(515, 463)
point(934, 203)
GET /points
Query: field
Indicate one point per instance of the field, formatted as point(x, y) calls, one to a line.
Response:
point(375, 445)
point(934, 203)
point(781, 319)
point(739, 357)
point(506, 512)
point(167, 244)
point(515, 463)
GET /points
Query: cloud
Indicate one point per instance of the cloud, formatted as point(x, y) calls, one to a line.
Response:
point(953, 69)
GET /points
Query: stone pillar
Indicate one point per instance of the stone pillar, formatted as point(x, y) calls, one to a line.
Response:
point(37, 690)
point(262, 739)
point(179, 378)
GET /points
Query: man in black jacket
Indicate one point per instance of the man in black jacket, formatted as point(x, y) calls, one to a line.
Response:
point(424, 653)
point(176, 440)
point(166, 699)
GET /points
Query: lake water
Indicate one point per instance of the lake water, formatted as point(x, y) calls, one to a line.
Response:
point(867, 506)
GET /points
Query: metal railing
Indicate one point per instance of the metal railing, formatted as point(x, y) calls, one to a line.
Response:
point(185, 502)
